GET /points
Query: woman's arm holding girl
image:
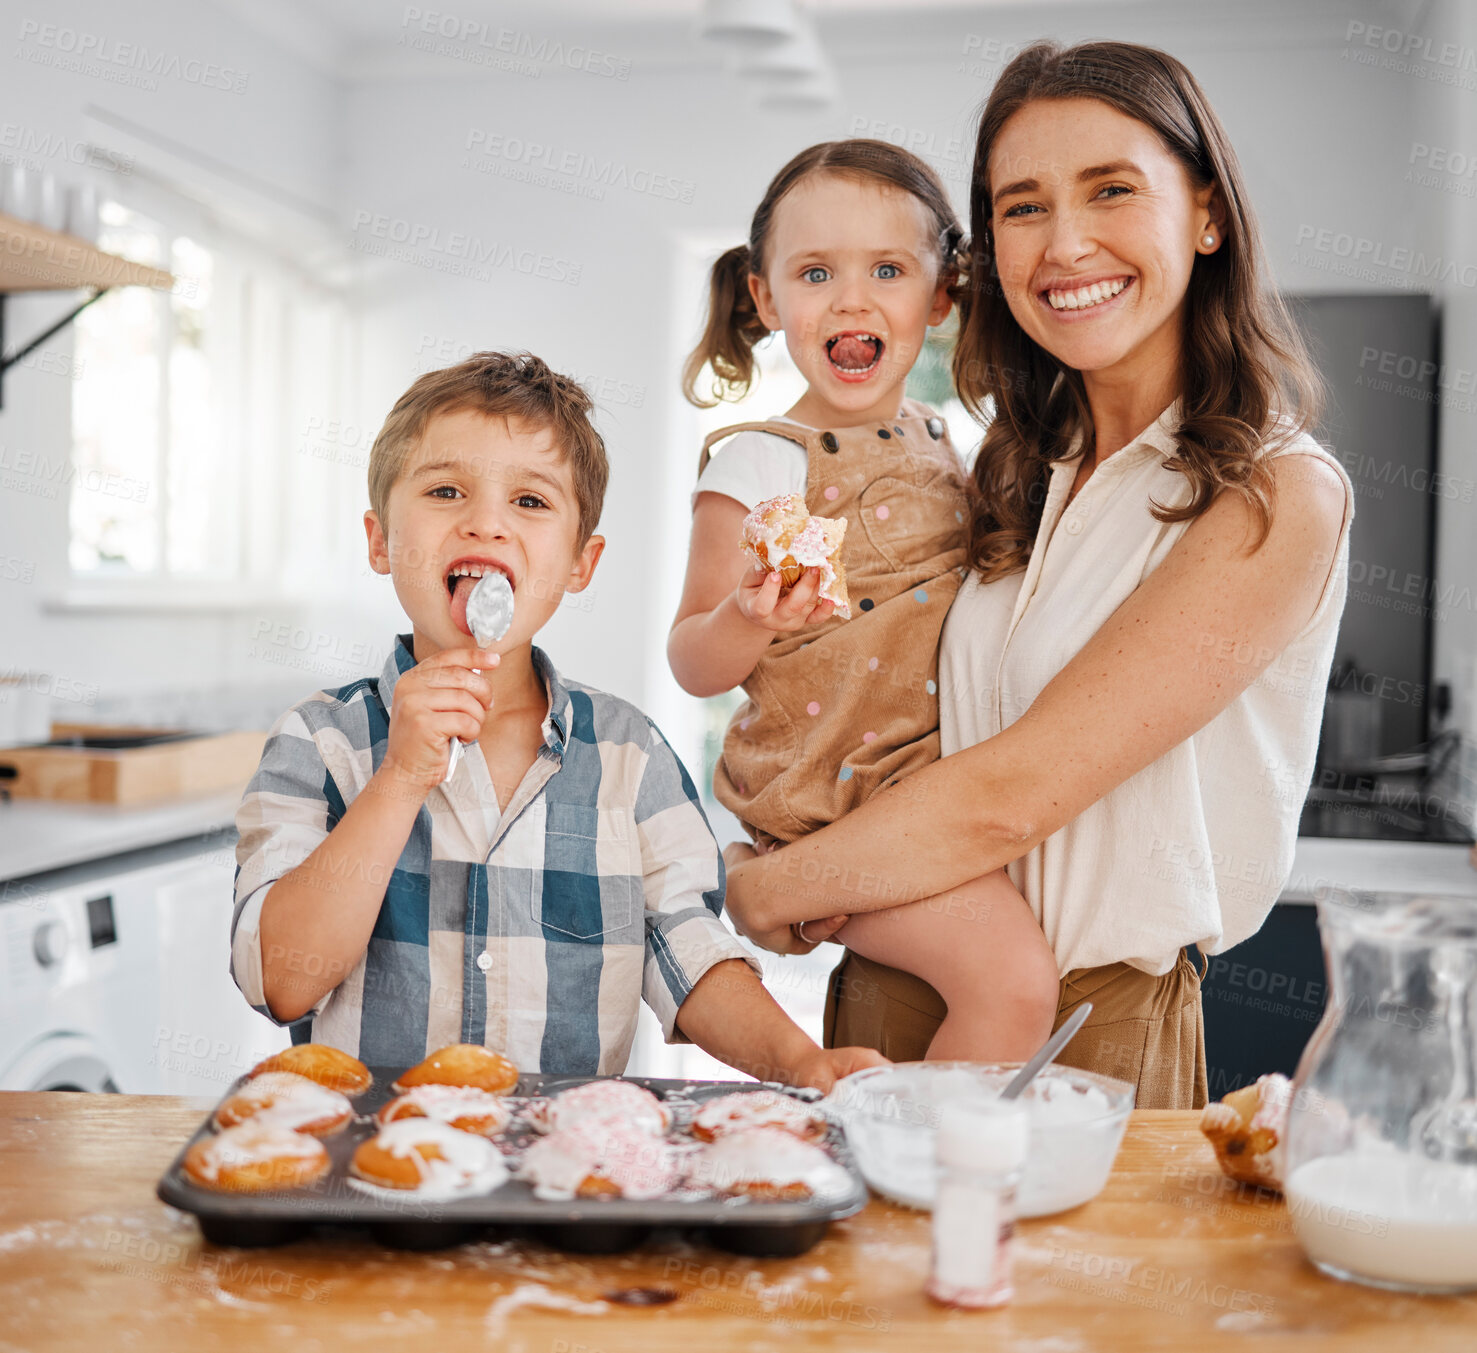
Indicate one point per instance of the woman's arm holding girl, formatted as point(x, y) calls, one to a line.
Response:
point(1188, 641)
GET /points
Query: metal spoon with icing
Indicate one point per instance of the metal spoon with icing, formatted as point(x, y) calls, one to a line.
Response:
point(489, 617)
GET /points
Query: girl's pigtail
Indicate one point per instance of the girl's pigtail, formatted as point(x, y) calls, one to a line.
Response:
point(954, 260)
point(733, 328)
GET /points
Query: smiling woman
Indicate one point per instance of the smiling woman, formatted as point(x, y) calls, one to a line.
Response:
point(1133, 673)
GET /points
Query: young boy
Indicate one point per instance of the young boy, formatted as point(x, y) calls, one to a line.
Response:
point(567, 869)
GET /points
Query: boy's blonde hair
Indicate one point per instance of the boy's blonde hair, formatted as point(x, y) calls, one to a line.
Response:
point(497, 385)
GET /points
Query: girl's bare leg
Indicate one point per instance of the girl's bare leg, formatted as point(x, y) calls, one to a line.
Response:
point(981, 949)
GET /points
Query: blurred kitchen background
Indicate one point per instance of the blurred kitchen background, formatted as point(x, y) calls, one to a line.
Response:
point(318, 201)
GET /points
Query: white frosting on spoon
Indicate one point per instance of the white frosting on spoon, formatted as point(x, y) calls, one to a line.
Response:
point(490, 608)
point(489, 617)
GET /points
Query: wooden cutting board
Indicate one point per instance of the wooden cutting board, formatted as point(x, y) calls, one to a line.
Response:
point(199, 764)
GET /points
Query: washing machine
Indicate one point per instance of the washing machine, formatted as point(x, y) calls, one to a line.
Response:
point(113, 976)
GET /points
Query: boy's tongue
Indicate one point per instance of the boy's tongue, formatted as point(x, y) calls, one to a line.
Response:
point(460, 594)
point(492, 609)
point(853, 352)
point(459, 599)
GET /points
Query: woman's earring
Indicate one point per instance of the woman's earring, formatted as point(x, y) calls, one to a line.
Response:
point(1208, 240)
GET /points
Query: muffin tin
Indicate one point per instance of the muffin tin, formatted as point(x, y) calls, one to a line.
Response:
point(590, 1226)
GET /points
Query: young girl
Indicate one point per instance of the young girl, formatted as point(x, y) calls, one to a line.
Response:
point(852, 254)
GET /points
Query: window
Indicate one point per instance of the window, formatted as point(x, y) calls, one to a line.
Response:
point(187, 418)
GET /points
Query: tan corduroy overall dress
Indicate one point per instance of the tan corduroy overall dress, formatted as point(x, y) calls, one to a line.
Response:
point(839, 710)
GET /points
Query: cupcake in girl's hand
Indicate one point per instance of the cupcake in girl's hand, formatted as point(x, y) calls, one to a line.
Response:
point(780, 535)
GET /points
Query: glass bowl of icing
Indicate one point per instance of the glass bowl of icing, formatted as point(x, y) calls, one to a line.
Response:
point(891, 1116)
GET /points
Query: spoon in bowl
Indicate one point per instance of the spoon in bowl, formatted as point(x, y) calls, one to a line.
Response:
point(1047, 1052)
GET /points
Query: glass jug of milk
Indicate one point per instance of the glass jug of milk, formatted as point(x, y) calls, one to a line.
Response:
point(1380, 1155)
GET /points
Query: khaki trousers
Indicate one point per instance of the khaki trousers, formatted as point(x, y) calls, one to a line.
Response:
point(1149, 1031)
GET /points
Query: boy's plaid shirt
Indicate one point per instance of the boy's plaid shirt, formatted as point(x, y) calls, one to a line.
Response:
point(535, 931)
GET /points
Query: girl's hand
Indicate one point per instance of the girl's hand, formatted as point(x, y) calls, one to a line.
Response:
point(762, 601)
point(437, 700)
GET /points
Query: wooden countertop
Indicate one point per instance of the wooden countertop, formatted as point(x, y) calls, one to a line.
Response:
point(1170, 1256)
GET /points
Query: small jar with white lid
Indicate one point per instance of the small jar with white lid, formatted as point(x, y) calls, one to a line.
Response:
point(980, 1148)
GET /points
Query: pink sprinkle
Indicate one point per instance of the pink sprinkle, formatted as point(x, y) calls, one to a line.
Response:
point(869, 736)
point(744, 724)
point(871, 664)
point(884, 512)
point(832, 494)
point(813, 708)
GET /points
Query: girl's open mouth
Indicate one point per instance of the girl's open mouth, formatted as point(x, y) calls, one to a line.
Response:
point(1083, 301)
point(854, 356)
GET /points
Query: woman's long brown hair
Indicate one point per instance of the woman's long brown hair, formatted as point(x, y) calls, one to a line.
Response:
point(733, 326)
point(1247, 382)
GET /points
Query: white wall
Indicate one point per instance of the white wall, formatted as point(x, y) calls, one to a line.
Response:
point(1325, 138)
point(273, 137)
point(1450, 124)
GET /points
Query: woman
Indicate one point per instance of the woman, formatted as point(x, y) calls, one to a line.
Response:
point(1132, 676)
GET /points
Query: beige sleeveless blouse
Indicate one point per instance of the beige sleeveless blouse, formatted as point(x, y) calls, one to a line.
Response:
point(839, 710)
point(1196, 847)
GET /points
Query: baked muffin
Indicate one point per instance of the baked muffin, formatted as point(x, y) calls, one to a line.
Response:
point(318, 1062)
point(462, 1106)
point(463, 1064)
point(429, 1157)
point(608, 1097)
point(768, 1164)
point(1246, 1129)
point(601, 1158)
point(290, 1101)
point(780, 535)
point(758, 1108)
point(255, 1157)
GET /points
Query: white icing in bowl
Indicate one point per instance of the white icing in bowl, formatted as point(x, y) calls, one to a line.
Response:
point(891, 1115)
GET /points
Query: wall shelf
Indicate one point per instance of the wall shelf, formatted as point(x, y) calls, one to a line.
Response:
point(33, 258)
